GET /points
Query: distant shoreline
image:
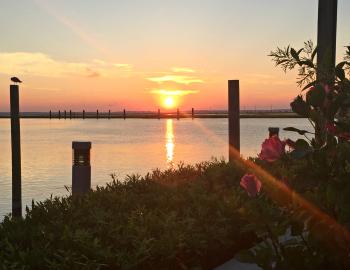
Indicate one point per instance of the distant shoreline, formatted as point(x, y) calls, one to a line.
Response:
point(151, 115)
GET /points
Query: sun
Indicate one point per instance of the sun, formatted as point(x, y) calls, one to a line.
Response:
point(169, 102)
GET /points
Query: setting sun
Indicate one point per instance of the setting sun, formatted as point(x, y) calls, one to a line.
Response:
point(169, 102)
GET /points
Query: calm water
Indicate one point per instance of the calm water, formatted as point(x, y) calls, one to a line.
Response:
point(118, 146)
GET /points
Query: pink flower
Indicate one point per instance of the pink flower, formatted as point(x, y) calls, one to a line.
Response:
point(327, 88)
point(272, 149)
point(345, 136)
point(333, 130)
point(251, 184)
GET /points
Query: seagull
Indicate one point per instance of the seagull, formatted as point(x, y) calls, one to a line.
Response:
point(16, 80)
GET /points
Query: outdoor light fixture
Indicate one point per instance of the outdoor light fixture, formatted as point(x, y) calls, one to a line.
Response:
point(273, 131)
point(81, 169)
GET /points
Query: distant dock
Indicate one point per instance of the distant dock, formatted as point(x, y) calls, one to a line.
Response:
point(151, 115)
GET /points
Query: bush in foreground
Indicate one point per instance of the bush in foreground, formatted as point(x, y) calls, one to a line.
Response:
point(177, 219)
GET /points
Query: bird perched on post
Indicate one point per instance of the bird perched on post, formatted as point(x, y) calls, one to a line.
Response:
point(15, 80)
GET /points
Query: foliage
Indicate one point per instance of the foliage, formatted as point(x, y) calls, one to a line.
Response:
point(177, 219)
point(192, 217)
point(327, 97)
point(294, 238)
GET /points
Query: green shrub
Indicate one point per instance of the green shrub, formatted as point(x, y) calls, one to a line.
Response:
point(177, 219)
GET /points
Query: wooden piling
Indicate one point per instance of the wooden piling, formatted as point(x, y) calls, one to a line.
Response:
point(83, 114)
point(326, 40)
point(158, 113)
point(192, 113)
point(233, 119)
point(59, 114)
point(326, 54)
point(16, 152)
point(70, 114)
point(97, 114)
point(124, 114)
point(109, 114)
point(65, 114)
point(178, 114)
point(50, 114)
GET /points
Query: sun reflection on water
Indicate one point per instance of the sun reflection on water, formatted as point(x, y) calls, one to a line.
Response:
point(169, 142)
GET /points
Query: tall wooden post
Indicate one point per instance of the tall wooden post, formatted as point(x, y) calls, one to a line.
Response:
point(16, 152)
point(83, 114)
point(178, 114)
point(97, 114)
point(326, 53)
point(65, 114)
point(109, 114)
point(59, 114)
point(70, 114)
point(158, 113)
point(192, 113)
point(50, 114)
point(124, 114)
point(233, 119)
point(326, 40)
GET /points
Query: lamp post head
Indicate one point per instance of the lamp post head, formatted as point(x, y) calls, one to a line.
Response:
point(273, 131)
point(81, 153)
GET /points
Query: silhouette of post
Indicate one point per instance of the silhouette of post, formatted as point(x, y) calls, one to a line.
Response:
point(326, 40)
point(178, 114)
point(192, 113)
point(65, 114)
point(59, 114)
point(124, 114)
point(83, 114)
point(16, 152)
point(70, 114)
point(81, 169)
point(326, 53)
point(158, 113)
point(97, 114)
point(50, 114)
point(233, 119)
point(109, 114)
point(273, 131)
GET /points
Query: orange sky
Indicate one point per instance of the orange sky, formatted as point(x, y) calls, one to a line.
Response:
point(114, 55)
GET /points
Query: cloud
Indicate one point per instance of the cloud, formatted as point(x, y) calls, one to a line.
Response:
point(125, 66)
point(173, 92)
point(40, 64)
point(181, 79)
point(183, 70)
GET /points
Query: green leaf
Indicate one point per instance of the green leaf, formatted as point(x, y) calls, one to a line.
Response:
point(293, 129)
point(307, 62)
point(315, 96)
point(339, 71)
point(294, 54)
point(301, 144)
point(302, 149)
point(298, 154)
point(309, 85)
point(300, 107)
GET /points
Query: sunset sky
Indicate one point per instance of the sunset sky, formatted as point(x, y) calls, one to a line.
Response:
point(139, 54)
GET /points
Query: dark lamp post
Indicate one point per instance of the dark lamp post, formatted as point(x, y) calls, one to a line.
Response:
point(273, 131)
